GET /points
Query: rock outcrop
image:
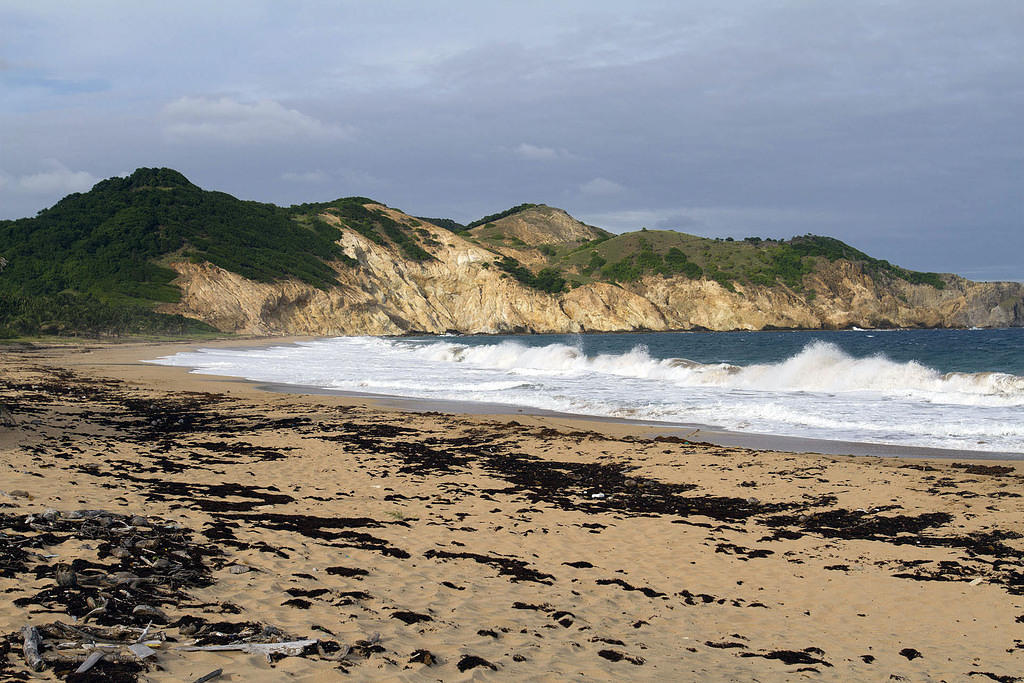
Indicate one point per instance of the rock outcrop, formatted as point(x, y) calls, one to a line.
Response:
point(460, 290)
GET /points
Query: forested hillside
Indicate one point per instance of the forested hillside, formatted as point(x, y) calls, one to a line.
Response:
point(97, 261)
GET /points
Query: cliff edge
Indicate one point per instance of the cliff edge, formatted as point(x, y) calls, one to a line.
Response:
point(463, 288)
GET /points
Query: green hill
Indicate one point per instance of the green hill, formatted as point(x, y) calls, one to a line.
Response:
point(97, 262)
point(631, 256)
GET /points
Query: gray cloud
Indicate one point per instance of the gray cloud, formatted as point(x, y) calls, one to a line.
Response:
point(225, 120)
point(601, 186)
point(317, 176)
point(58, 179)
point(893, 126)
point(525, 150)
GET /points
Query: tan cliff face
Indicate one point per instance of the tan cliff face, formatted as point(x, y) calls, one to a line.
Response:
point(460, 291)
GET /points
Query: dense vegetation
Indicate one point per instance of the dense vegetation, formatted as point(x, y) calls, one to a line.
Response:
point(97, 261)
point(106, 241)
point(68, 313)
point(632, 256)
point(93, 260)
point(547, 280)
point(446, 223)
point(372, 224)
point(833, 250)
point(644, 262)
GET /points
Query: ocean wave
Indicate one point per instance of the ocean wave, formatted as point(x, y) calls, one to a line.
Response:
point(820, 367)
point(819, 391)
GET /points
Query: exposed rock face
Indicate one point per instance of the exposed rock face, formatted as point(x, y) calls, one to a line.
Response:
point(460, 291)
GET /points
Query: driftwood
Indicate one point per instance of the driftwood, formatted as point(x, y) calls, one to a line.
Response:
point(292, 648)
point(98, 610)
point(68, 661)
point(210, 676)
point(98, 643)
point(112, 635)
point(31, 648)
point(340, 655)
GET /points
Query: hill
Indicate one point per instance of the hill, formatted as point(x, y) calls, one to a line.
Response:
point(152, 252)
point(534, 225)
point(98, 261)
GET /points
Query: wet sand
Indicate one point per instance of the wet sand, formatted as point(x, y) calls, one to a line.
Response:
point(457, 547)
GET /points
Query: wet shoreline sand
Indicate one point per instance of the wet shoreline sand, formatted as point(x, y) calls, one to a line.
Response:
point(442, 545)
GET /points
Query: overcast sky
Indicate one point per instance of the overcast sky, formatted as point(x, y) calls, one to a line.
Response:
point(897, 126)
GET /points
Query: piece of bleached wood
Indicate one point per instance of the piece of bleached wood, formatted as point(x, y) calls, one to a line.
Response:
point(292, 648)
point(33, 642)
point(110, 638)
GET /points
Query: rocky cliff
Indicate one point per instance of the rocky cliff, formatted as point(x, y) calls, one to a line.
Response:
point(460, 288)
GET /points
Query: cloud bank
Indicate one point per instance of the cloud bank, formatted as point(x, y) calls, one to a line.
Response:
point(894, 126)
point(225, 120)
point(58, 179)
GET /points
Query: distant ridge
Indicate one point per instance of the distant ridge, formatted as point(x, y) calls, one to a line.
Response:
point(154, 253)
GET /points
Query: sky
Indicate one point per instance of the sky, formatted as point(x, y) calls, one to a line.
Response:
point(896, 126)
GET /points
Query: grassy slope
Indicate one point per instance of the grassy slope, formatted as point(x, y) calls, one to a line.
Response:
point(631, 256)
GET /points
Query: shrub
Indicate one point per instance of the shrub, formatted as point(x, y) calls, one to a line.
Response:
point(502, 214)
point(547, 280)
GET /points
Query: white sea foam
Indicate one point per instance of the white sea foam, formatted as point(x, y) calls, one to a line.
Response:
point(820, 367)
point(820, 392)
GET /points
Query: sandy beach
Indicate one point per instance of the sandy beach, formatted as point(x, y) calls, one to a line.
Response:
point(426, 545)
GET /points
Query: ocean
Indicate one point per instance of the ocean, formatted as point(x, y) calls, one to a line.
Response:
point(947, 389)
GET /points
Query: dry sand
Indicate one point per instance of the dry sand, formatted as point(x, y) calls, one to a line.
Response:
point(525, 548)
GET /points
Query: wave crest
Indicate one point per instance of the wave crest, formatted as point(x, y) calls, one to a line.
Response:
point(819, 367)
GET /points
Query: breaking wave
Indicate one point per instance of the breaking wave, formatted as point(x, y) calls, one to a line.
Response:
point(819, 367)
point(819, 391)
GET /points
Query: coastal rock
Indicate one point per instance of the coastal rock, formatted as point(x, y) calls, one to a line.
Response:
point(461, 290)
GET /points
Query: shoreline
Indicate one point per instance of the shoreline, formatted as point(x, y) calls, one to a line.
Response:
point(689, 431)
point(406, 545)
point(692, 431)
